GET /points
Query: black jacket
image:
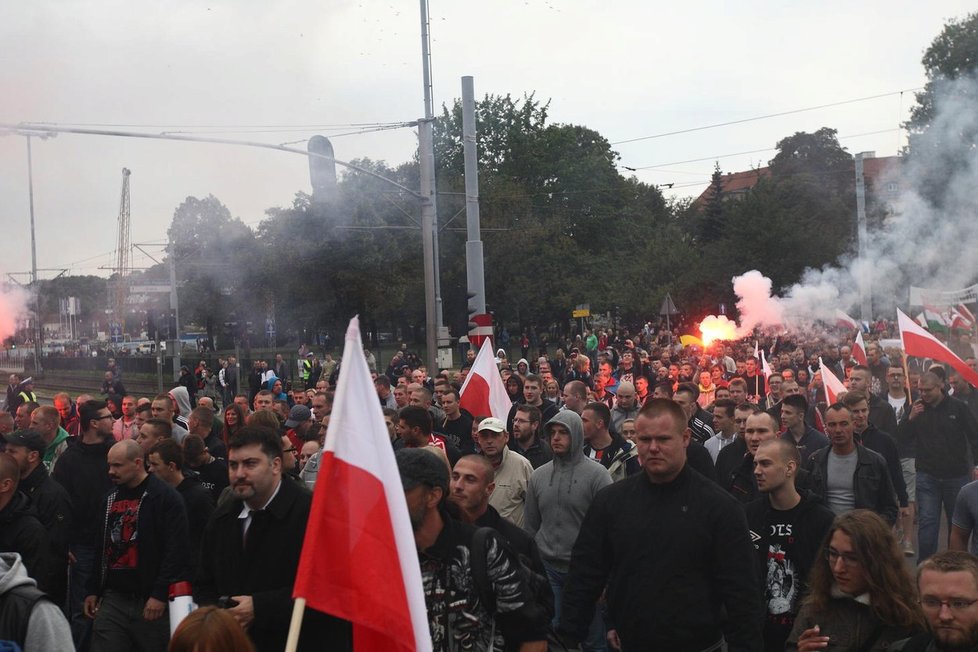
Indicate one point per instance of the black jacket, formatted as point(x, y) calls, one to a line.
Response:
point(872, 486)
point(83, 470)
point(881, 414)
point(730, 458)
point(677, 562)
point(162, 548)
point(199, 504)
point(53, 507)
point(742, 485)
point(539, 453)
point(265, 570)
point(941, 436)
point(21, 531)
point(881, 442)
point(517, 538)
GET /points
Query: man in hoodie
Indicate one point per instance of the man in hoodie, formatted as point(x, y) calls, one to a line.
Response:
point(83, 471)
point(607, 448)
point(787, 528)
point(557, 498)
point(27, 616)
point(668, 528)
point(163, 408)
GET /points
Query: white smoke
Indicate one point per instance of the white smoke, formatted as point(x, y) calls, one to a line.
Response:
point(918, 244)
point(14, 307)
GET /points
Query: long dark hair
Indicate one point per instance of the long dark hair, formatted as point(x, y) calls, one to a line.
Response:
point(892, 594)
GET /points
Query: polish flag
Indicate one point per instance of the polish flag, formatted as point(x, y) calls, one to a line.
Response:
point(833, 386)
point(765, 367)
point(843, 320)
point(918, 342)
point(483, 393)
point(359, 561)
point(859, 350)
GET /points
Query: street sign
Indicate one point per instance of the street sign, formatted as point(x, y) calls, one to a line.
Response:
point(481, 329)
point(668, 307)
point(581, 310)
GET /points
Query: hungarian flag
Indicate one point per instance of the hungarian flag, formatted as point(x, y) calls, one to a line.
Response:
point(920, 343)
point(833, 386)
point(483, 393)
point(859, 350)
point(359, 559)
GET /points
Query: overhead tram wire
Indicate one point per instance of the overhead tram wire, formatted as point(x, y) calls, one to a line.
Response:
point(763, 117)
point(752, 151)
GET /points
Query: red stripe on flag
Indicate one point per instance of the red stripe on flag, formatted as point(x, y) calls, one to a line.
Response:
point(475, 398)
point(354, 571)
point(926, 347)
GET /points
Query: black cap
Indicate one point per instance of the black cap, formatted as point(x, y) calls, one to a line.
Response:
point(418, 466)
point(30, 439)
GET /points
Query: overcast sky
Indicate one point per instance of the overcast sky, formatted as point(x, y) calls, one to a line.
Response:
point(627, 69)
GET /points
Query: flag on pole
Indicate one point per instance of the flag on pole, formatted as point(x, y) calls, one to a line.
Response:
point(359, 561)
point(843, 320)
point(756, 348)
point(918, 342)
point(833, 386)
point(483, 392)
point(765, 367)
point(859, 350)
point(965, 312)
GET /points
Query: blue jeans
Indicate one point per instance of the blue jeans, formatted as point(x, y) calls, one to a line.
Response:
point(597, 635)
point(932, 492)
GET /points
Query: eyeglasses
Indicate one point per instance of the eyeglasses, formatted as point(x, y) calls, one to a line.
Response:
point(104, 416)
point(291, 450)
point(954, 604)
point(834, 555)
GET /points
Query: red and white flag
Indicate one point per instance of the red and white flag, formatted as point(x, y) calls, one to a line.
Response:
point(483, 393)
point(833, 386)
point(842, 320)
point(918, 342)
point(859, 350)
point(765, 367)
point(359, 561)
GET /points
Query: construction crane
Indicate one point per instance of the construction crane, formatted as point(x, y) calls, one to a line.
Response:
point(122, 267)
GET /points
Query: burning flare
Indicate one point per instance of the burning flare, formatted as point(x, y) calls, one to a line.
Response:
point(714, 328)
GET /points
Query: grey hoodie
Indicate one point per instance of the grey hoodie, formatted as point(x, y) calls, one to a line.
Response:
point(181, 397)
point(47, 629)
point(560, 493)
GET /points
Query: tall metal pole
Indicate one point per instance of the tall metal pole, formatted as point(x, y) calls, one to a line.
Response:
point(474, 264)
point(429, 114)
point(864, 281)
point(36, 288)
point(427, 246)
point(175, 342)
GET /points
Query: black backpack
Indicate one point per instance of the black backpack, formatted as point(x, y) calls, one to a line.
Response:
point(537, 585)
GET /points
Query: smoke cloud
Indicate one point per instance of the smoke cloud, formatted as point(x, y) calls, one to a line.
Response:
point(14, 302)
point(926, 241)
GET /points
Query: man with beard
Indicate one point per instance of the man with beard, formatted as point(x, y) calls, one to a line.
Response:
point(948, 588)
point(251, 545)
point(457, 617)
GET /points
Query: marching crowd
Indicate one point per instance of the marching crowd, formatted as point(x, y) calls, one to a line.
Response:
point(639, 495)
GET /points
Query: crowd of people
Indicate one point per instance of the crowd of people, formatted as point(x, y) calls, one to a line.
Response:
point(639, 495)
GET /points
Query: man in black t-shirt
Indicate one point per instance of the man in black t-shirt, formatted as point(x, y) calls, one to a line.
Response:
point(143, 549)
point(787, 529)
point(457, 424)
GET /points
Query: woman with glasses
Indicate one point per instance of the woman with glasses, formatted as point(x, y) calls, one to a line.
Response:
point(861, 597)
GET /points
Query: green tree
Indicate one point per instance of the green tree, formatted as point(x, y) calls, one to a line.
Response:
point(817, 159)
point(951, 55)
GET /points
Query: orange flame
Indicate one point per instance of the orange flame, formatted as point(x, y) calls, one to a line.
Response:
point(717, 328)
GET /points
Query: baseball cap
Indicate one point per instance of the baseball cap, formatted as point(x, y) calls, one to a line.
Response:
point(297, 415)
point(493, 424)
point(30, 439)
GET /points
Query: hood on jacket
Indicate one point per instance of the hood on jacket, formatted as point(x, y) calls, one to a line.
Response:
point(12, 572)
point(270, 383)
point(570, 420)
point(523, 361)
point(181, 397)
